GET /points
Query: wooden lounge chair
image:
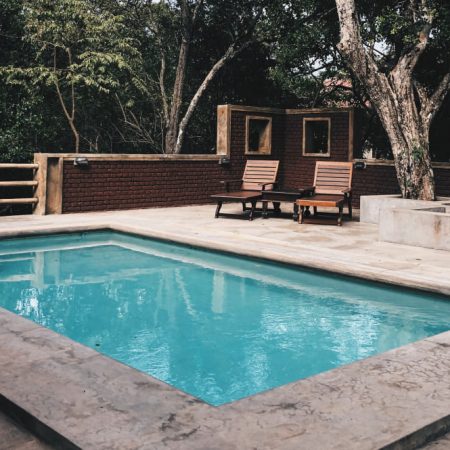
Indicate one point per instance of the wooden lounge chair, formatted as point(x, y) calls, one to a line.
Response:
point(258, 176)
point(332, 188)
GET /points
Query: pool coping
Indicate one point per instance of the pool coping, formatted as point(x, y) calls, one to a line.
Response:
point(341, 408)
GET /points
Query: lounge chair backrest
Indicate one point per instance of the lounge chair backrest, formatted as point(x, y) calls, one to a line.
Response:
point(257, 172)
point(332, 177)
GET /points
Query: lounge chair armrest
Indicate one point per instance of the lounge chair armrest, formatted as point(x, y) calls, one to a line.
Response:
point(308, 189)
point(228, 182)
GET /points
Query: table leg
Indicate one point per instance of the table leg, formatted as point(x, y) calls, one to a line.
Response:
point(302, 212)
point(276, 208)
point(341, 211)
point(295, 215)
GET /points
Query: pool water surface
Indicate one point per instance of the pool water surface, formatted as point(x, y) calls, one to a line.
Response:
point(216, 326)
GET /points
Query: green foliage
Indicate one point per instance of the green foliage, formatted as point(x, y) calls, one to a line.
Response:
point(110, 52)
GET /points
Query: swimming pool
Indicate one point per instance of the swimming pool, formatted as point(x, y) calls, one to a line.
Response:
point(216, 326)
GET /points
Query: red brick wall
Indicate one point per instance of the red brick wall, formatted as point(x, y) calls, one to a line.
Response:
point(442, 182)
point(110, 185)
point(298, 170)
point(374, 180)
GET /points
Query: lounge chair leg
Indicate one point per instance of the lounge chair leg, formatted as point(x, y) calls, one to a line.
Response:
point(341, 212)
point(350, 211)
point(252, 210)
point(302, 213)
point(264, 209)
point(315, 210)
point(219, 205)
point(244, 207)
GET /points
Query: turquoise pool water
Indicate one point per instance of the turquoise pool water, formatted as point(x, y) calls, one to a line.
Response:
point(216, 326)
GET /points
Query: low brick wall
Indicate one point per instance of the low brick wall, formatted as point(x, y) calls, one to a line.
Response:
point(382, 180)
point(442, 181)
point(113, 185)
point(374, 180)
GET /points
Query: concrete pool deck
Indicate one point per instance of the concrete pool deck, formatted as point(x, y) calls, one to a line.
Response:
point(399, 399)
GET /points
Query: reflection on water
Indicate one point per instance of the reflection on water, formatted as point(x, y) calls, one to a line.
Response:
point(212, 325)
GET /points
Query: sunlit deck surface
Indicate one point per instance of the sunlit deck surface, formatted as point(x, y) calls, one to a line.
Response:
point(400, 398)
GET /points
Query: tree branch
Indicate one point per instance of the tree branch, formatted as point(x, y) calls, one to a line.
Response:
point(408, 60)
point(162, 87)
point(197, 7)
point(58, 89)
point(435, 101)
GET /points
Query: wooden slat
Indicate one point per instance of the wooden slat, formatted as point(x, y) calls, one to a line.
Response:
point(261, 162)
point(258, 177)
point(18, 166)
point(261, 174)
point(18, 183)
point(333, 172)
point(332, 183)
point(257, 172)
point(17, 201)
point(260, 171)
point(324, 203)
point(332, 177)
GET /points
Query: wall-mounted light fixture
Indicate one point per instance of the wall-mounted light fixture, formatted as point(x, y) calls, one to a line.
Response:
point(81, 162)
point(224, 161)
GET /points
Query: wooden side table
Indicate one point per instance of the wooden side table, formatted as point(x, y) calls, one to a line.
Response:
point(283, 195)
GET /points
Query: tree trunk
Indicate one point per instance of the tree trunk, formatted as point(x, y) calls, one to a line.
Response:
point(76, 136)
point(175, 129)
point(177, 97)
point(70, 115)
point(178, 87)
point(229, 54)
point(404, 107)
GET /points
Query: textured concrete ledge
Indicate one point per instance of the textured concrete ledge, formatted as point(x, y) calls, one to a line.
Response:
point(399, 399)
point(409, 222)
